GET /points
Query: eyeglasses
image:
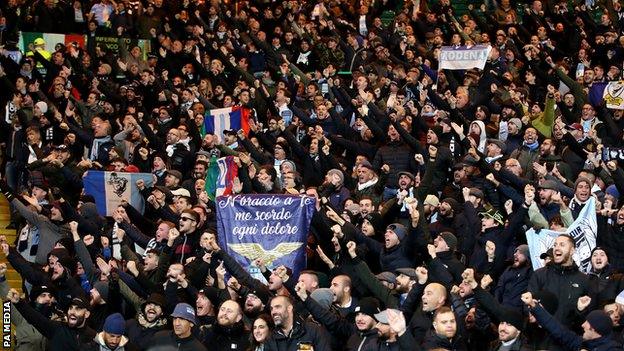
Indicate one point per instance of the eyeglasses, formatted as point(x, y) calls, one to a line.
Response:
point(184, 219)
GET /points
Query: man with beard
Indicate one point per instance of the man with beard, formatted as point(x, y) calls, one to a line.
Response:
point(511, 321)
point(199, 172)
point(112, 337)
point(549, 206)
point(514, 281)
point(181, 338)
point(562, 278)
point(444, 335)
point(597, 328)
point(344, 302)
point(58, 274)
point(549, 158)
point(291, 331)
point(368, 183)
point(460, 180)
point(256, 293)
point(154, 267)
point(442, 254)
point(42, 299)
point(148, 321)
point(229, 333)
point(605, 282)
point(73, 335)
point(185, 240)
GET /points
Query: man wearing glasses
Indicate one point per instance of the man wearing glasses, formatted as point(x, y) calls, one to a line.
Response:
point(186, 238)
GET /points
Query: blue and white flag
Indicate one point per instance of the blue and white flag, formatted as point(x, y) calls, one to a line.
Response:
point(110, 188)
point(583, 231)
point(273, 228)
point(464, 57)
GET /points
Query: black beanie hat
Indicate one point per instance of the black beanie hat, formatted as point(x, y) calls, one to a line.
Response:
point(601, 322)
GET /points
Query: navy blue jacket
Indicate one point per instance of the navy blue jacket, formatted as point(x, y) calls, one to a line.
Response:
point(568, 339)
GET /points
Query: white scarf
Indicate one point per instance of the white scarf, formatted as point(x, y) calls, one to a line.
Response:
point(362, 186)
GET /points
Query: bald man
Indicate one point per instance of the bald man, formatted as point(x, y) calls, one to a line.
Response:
point(291, 330)
point(343, 300)
point(432, 297)
point(230, 332)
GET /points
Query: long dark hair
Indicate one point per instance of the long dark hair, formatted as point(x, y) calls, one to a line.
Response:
point(253, 344)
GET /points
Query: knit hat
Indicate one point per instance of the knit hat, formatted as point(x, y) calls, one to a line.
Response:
point(450, 239)
point(512, 317)
point(102, 288)
point(580, 180)
point(600, 321)
point(40, 289)
point(453, 203)
point(516, 121)
point(261, 294)
point(432, 200)
point(368, 306)
point(184, 311)
point(524, 250)
point(323, 296)
point(613, 191)
point(294, 166)
point(338, 173)
point(375, 220)
point(42, 106)
point(156, 299)
point(115, 324)
point(398, 229)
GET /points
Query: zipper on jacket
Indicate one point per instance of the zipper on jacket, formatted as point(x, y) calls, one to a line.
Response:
point(362, 343)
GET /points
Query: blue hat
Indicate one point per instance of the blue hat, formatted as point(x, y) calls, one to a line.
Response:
point(115, 324)
point(184, 311)
point(613, 191)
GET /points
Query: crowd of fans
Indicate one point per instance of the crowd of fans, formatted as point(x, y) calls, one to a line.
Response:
point(426, 180)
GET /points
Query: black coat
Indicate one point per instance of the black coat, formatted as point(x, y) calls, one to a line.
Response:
point(567, 283)
point(60, 336)
point(307, 332)
point(168, 338)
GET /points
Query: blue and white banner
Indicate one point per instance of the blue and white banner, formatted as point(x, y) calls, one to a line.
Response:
point(271, 227)
point(110, 188)
point(583, 231)
point(464, 57)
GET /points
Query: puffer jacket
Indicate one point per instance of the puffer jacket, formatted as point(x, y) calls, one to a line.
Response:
point(398, 156)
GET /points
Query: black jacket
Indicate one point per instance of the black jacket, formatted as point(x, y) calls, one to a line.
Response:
point(60, 336)
point(232, 338)
point(567, 283)
point(168, 338)
point(302, 332)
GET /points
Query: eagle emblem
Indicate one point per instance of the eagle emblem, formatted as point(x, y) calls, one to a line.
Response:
point(253, 251)
point(119, 184)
